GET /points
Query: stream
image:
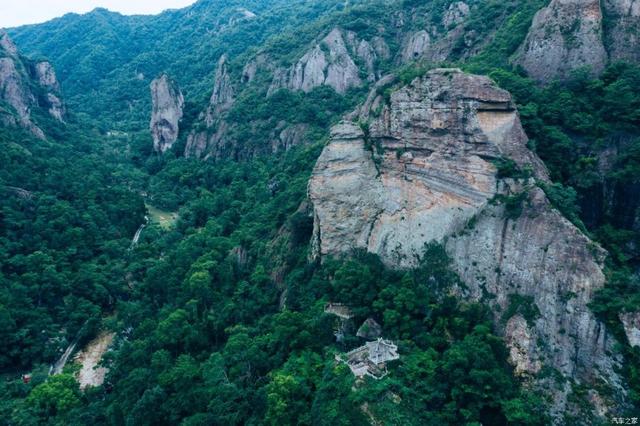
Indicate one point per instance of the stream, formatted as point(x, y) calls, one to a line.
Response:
point(136, 237)
point(59, 365)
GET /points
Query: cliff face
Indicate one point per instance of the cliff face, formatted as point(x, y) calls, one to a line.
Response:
point(46, 76)
point(20, 81)
point(209, 141)
point(168, 102)
point(623, 34)
point(332, 62)
point(570, 34)
point(424, 171)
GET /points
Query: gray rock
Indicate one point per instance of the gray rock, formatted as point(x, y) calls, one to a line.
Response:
point(46, 75)
point(456, 14)
point(15, 91)
point(223, 93)
point(166, 113)
point(210, 141)
point(415, 46)
point(518, 337)
point(564, 36)
point(17, 80)
point(425, 173)
point(328, 63)
point(369, 330)
point(7, 44)
point(631, 323)
point(288, 136)
point(623, 34)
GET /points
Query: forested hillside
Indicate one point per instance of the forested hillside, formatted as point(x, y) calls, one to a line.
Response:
point(213, 262)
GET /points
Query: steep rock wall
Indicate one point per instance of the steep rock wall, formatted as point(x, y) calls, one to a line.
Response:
point(166, 113)
point(424, 171)
point(20, 81)
point(331, 62)
point(564, 36)
point(569, 34)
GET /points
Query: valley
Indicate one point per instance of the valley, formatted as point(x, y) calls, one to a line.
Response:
point(202, 210)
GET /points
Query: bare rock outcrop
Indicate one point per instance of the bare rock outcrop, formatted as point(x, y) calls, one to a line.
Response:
point(329, 62)
point(416, 46)
point(287, 136)
point(18, 79)
point(166, 113)
point(569, 34)
point(565, 35)
point(46, 77)
point(209, 141)
point(437, 42)
point(623, 32)
point(223, 93)
point(522, 348)
point(424, 170)
point(91, 373)
point(456, 14)
point(631, 323)
point(7, 44)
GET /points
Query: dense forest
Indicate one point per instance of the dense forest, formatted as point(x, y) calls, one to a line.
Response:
point(219, 314)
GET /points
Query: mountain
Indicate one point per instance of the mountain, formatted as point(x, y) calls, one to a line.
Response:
point(431, 173)
point(225, 206)
point(25, 86)
point(567, 35)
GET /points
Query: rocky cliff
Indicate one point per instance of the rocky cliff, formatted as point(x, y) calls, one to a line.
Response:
point(25, 85)
point(166, 113)
point(46, 76)
point(623, 31)
point(426, 168)
point(208, 141)
point(332, 62)
point(570, 34)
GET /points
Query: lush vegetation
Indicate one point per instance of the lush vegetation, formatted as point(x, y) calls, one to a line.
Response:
point(66, 220)
point(220, 313)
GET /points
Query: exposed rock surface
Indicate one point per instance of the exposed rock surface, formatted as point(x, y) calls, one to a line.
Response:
point(89, 358)
point(223, 93)
point(46, 77)
point(416, 46)
point(210, 140)
point(330, 62)
point(369, 330)
point(564, 36)
point(166, 113)
point(18, 79)
point(456, 14)
point(437, 42)
point(522, 348)
point(631, 323)
point(7, 44)
point(623, 32)
point(569, 34)
point(425, 172)
point(288, 136)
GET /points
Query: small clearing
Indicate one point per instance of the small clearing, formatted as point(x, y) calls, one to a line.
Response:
point(165, 219)
point(89, 358)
